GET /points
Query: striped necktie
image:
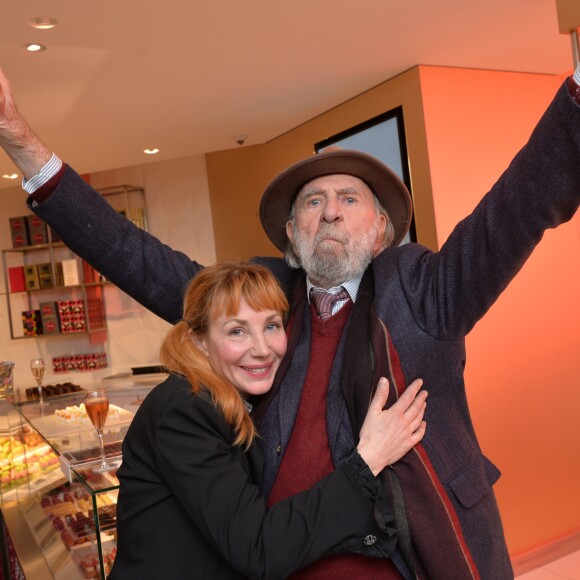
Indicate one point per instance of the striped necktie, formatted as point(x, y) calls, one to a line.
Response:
point(324, 301)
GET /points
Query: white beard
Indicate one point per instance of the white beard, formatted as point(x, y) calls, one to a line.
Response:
point(330, 263)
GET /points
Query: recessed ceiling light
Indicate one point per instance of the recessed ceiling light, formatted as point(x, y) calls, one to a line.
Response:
point(11, 176)
point(151, 151)
point(42, 23)
point(33, 47)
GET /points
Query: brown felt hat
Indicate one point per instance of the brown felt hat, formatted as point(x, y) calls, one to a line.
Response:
point(390, 190)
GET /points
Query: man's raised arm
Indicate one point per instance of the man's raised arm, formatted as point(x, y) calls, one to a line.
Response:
point(21, 144)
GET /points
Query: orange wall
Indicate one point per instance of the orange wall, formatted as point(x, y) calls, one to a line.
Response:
point(523, 362)
point(462, 128)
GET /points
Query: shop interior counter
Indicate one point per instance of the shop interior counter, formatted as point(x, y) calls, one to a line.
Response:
point(61, 515)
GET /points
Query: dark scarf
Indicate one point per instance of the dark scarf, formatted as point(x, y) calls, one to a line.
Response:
point(422, 509)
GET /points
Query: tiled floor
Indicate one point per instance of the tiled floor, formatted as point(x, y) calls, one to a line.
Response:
point(566, 568)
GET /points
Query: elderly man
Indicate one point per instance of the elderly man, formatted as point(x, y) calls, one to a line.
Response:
point(400, 312)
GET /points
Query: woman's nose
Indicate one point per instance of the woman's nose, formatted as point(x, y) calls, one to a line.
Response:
point(260, 346)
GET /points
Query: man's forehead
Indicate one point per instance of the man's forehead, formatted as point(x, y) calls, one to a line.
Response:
point(335, 181)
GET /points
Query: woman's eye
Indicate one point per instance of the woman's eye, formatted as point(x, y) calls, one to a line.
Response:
point(274, 326)
point(236, 332)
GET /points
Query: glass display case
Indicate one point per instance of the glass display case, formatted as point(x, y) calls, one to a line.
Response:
point(60, 514)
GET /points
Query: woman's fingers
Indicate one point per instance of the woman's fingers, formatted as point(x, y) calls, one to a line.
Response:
point(380, 397)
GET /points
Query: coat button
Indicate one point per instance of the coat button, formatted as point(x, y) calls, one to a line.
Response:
point(279, 449)
point(369, 540)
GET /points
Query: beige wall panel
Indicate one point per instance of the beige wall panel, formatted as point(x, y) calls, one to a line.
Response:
point(237, 177)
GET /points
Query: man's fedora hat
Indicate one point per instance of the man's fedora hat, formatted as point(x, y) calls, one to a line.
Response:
point(279, 195)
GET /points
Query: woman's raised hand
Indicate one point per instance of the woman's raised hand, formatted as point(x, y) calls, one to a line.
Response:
point(388, 434)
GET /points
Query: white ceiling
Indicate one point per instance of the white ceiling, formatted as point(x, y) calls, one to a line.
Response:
point(187, 76)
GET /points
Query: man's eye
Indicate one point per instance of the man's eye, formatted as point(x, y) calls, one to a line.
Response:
point(350, 200)
point(313, 202)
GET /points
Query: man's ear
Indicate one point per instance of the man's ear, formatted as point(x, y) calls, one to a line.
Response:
point(379, 247)
point(290, 232)
point(198, 341)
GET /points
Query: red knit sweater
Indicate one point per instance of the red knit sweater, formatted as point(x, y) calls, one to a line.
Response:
point(308, 459)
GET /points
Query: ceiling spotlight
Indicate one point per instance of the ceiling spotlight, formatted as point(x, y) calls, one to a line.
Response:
point(33, 47)
point(11, 176)
point(240, 139)
point(42, 23)
point(151, 151)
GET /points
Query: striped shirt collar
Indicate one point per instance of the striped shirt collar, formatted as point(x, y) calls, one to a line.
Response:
point(351, 286)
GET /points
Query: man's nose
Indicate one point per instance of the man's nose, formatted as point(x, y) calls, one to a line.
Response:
point(331, 210)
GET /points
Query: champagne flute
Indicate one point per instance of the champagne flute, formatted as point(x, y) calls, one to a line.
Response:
point(97, 408)
point(37, 368)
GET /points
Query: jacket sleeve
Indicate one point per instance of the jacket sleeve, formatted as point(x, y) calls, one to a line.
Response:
point(207, 476)
point(453, 288)
point(137, 262)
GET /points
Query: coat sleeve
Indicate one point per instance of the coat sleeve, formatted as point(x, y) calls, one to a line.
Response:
point(451, 290)
point(208, 478)
point(149, 271)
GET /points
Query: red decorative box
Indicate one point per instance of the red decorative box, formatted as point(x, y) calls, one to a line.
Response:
point(71, 314)
point(37, 230)
point(19, 231)
point(79, 362)
point(17, 280)
point(49, 317)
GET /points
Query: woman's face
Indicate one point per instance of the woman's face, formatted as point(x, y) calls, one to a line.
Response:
point(246, 348)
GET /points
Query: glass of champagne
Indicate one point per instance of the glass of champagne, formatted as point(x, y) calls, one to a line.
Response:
point(37, 368)
point(97, 408)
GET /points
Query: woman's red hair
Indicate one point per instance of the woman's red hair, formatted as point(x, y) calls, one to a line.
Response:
point(214, 291)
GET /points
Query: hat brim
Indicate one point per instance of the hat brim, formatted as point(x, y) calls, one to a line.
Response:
point(391, 192)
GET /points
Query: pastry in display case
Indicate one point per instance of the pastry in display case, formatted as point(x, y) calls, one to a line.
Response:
point(25, 456)
point(71, 512)
point(51, 390)
point(60, 512)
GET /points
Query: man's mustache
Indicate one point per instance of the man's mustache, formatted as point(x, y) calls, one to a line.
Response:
point(327, 231)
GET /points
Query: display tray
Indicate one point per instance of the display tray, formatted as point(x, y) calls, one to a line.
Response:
point(147, 379)
point(148, 370)
point(86, 559)
point(82, 460)
point(21, 398)
point(52, 426)
point(126, 379)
